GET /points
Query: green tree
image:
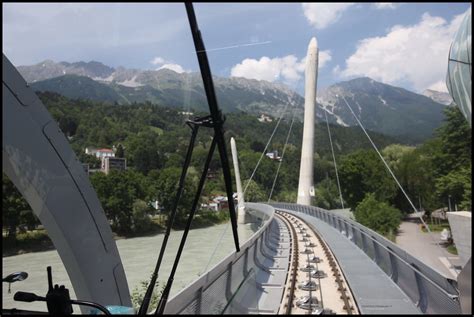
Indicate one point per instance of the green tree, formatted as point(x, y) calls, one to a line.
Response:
point(29, 219)
point(286, 196)
point(138, 294)
point(142, 152)
point(140, 217)
point(414, 170)
point(254, 192)
point(327, 195)
point(167, 187)
point(13, 204)
point(394, 153)
point(68, 125)
point(117, 192)
point(92, 160)
point(363, 172)
point(377, 215)
point(456, 143)
point(456, 184)
point(119, 152)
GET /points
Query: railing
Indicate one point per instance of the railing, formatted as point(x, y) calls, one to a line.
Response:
point(427, 288)
point(230, 287)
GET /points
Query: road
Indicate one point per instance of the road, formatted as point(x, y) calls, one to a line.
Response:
point(420, 245)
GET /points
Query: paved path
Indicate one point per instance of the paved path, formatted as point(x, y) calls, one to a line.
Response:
point(420, 245)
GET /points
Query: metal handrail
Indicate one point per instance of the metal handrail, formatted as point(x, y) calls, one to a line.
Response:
point(184, 297)
point(337, 222)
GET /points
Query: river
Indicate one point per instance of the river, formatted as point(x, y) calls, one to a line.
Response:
point(138, 255)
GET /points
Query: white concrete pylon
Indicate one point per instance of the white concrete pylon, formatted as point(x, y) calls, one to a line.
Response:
point(240, 193)
point(305, 186)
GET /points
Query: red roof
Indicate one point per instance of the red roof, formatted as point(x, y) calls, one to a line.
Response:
point(104, 150)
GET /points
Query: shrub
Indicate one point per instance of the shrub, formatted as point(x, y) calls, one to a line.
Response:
point(377, 215)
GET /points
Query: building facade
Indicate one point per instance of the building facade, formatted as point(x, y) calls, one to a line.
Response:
point(100, 153)
point(113, 163)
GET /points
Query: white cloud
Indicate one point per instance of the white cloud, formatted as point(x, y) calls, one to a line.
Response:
point(321, 15)
point(386, 5)
point(287, 69)
point(416, 54)
point(157, 61)
point(324, 57)
point(439, 86)
point(168, 65)
point(175, 67)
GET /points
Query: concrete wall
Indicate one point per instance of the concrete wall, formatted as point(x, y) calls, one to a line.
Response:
point(461, 228)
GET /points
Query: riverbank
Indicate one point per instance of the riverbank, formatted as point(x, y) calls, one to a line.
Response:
point(38, 240)
point(138, 257)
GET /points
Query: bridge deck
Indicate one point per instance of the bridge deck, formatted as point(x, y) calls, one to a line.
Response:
point(373, 290)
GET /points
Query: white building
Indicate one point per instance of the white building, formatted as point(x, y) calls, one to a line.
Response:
point(100, 153)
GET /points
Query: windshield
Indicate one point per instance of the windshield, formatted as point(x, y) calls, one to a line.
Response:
point(121, 80)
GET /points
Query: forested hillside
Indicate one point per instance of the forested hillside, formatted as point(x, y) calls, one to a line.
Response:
point(154, 140)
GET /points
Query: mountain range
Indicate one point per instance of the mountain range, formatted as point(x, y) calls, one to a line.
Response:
point(380, 107)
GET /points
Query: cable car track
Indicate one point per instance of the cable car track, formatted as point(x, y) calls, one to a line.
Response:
point(328, 293)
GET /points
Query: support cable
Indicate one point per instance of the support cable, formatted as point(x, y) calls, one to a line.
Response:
point(334, 159)
point(398, 183)
point(146, 299)
point(248, 182)
point(282, 155)
point(164, 296)
point(386, 165)
point(265, 149)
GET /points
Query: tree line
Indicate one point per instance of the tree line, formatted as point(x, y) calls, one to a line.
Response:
point(154, 139)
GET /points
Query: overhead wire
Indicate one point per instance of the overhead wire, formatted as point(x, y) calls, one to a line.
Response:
point(253, 174)
point(265, 149)
point(334, 158)
point(398, 183)
point(281, 159)
point(245, 190)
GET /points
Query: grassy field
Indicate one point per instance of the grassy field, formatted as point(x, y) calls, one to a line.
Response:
point(452, 249)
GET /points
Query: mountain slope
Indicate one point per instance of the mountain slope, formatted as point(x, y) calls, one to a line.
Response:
point(79, 87)
point(382, 108)
point(437, 96)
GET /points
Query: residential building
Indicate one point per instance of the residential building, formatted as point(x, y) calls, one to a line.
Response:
point(265, 118)
point(113, 163)
point(273, 155)
point(100, 153)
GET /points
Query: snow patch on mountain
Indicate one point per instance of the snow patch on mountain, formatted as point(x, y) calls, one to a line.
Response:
point(131, 83)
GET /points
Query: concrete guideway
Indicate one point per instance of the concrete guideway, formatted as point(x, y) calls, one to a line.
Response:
point(373, 290)
point(327, 288)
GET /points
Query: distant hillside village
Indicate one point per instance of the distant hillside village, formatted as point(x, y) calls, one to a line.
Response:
point(108, 160)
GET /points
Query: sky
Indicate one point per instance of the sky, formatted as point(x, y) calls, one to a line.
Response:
point(402, 44)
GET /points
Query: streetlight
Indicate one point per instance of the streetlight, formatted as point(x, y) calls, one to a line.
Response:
point(449, 202)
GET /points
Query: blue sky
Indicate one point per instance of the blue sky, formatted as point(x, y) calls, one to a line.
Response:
point(400, 44)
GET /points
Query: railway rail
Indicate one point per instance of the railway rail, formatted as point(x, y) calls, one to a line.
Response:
point(315, 283)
